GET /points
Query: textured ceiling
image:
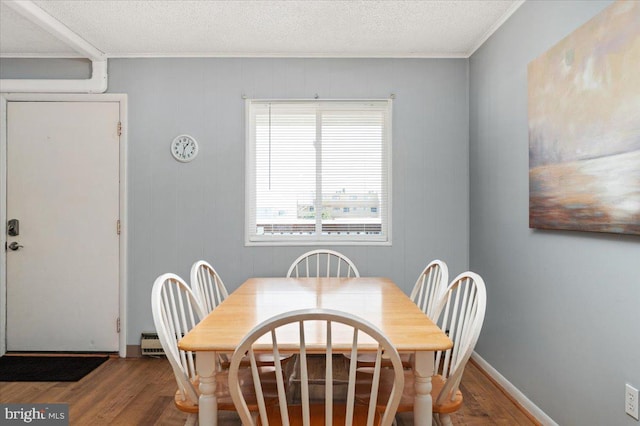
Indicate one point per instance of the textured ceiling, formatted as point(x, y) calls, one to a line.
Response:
point(295, 28)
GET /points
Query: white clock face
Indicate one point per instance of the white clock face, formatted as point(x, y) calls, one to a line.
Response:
point(184, 148)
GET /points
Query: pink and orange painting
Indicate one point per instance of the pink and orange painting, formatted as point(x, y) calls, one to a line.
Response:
point(584, 127)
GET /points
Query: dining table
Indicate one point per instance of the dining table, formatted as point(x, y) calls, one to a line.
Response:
point(378, 300)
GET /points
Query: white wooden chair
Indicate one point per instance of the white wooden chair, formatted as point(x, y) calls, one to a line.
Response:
point(317, 263)
point(207, 285)
point(426, 293)
point(429, 286)
point(460, 312)
point(329, 410)
point(211, 291)
point(176, 311)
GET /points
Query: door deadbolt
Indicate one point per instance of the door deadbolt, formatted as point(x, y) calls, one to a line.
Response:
point(13, 227)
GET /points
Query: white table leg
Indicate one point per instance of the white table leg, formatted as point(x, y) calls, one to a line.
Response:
point(422, 406)
point(208, 405)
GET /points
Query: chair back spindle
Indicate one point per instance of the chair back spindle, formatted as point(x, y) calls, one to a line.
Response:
point(308, 323)
point(460, 313)
point(429, 286)
point(207, 285)
point(322, 263)
point(176, 311)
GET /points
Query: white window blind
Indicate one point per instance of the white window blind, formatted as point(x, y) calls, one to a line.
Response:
point(318, 171)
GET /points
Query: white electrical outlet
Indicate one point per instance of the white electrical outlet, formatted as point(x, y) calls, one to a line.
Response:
point(631, 401)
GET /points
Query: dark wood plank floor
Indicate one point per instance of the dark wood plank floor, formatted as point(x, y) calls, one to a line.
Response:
point(139, 391)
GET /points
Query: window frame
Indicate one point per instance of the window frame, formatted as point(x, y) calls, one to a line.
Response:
point(253, 239)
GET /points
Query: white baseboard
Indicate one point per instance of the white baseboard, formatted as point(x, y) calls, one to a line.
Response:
point(514, 392)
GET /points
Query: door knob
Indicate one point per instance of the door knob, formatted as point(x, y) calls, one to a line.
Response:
point(14, 246)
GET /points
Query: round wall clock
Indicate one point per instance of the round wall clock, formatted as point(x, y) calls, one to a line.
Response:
point(184, 148)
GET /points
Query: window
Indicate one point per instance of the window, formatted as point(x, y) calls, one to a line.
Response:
point(318, 172)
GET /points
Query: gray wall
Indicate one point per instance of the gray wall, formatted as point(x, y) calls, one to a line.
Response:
point(563, 316)
point(180, 213)
point(54, 68)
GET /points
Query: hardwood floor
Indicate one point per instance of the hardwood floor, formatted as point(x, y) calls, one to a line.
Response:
point(139, 391)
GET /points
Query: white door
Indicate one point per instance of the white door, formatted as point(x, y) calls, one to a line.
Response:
point(63, 188)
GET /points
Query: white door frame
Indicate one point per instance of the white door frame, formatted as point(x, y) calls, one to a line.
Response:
point(122, 286)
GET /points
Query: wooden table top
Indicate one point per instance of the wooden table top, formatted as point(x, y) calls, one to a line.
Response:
point(377, 300)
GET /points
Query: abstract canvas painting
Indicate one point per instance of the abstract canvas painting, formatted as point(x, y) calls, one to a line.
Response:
point(584, 127)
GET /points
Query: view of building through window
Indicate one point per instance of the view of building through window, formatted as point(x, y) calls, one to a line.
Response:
point(319, 169)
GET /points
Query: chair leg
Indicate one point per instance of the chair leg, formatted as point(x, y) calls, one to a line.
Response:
point(445, 420)
point(192, 420)
point(435, 419)
point(292, 378)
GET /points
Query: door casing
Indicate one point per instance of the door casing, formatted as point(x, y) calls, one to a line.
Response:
point(121, 99)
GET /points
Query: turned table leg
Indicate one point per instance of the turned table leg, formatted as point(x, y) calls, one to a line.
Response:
point(422, 406)
point(208, 405)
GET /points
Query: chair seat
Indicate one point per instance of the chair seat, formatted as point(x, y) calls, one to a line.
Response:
point(408, 393)
point(268, 378)
point(317, 415)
